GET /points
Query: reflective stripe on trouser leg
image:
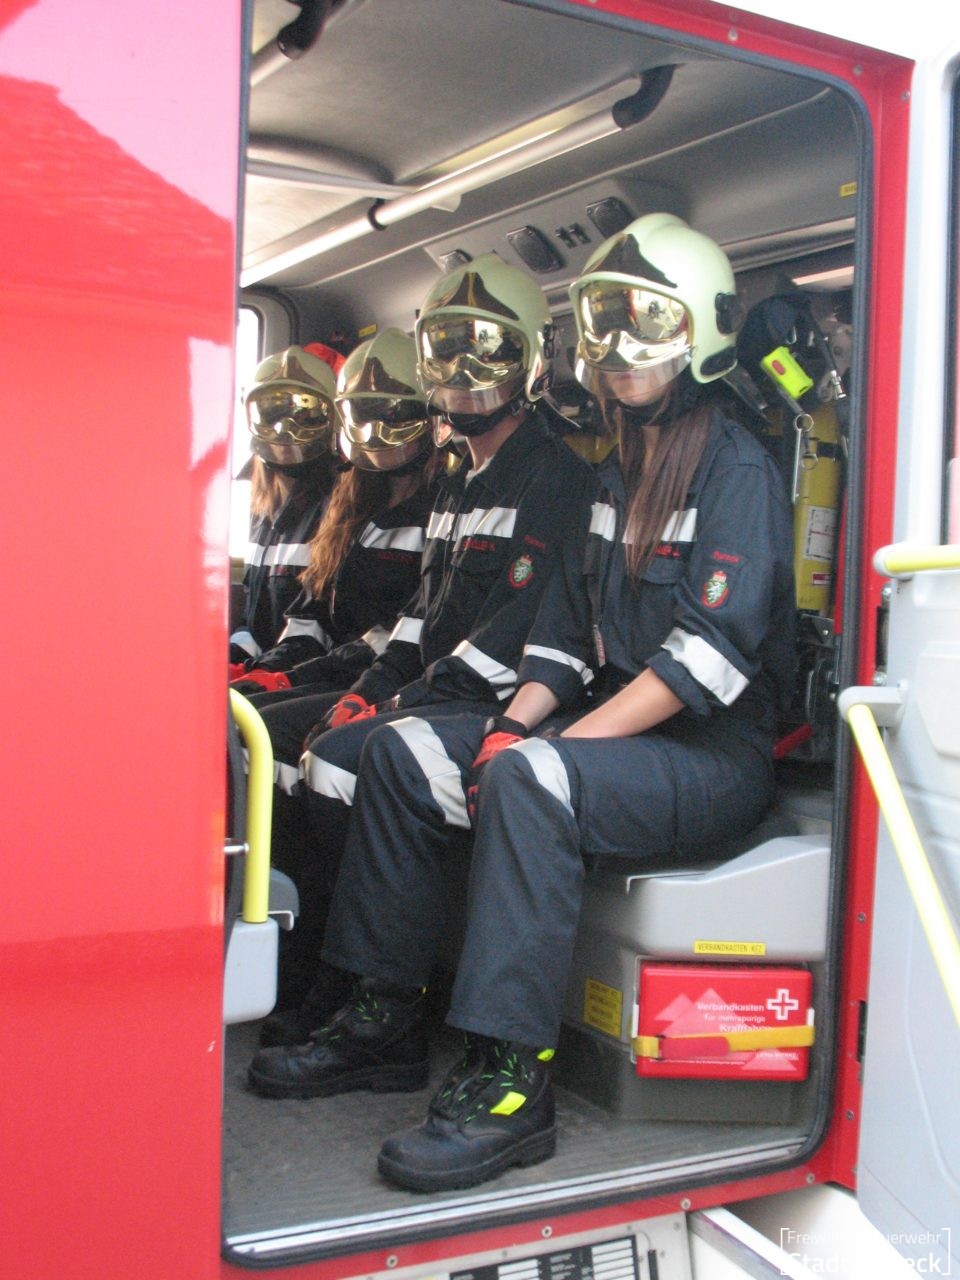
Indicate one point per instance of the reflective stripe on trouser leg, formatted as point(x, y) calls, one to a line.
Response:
point(524, 899)
point(389, 905)
point(441, 774)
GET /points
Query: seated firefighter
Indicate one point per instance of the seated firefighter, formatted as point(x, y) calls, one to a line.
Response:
point(643, 723)
point(291, 418)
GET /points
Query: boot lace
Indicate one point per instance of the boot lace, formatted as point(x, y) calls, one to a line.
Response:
point(487, 1071)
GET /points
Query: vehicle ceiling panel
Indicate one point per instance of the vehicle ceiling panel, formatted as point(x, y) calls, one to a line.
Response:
point(411, 89)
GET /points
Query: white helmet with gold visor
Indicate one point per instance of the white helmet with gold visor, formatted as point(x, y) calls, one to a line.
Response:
point(483, 342)
point(383, 416)
point(653, 300)
point(290, 409)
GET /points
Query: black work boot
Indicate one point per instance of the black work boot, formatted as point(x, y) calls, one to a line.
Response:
point(494, 1110)
point(375, 1041)
point(295, 1025)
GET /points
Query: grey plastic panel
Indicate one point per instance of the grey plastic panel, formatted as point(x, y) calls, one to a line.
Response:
point(776, 894)
point(250, 973)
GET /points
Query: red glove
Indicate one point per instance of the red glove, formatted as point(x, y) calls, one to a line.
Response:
point(350, 706)
point(235, 670)
point(501, 732)
point(267, 680)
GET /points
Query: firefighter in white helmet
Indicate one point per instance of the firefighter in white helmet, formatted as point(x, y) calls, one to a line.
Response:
point(291, 416)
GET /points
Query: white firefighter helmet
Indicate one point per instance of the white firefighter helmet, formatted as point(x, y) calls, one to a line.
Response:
point(383, 415)
point(654, 299)
point(483, 340)
point(290, 409)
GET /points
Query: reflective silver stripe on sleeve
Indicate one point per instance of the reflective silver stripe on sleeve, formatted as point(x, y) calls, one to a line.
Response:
point(254, 554)
point(495, 522)
point(603, 520)
point(286, 776)
point(288, 553)
point(306, 627)
point(557, 655)
point(327, 779)
point(404, 538)
point(706, 665)
point(681, 527)
point(407, 629)
point(501, 678)
point(376, 638)
point(441, 774)
point(547, 769)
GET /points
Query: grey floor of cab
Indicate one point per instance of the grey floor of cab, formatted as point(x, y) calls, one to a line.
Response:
point(293, 1164)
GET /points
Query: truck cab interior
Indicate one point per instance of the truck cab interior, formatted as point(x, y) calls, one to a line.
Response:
point(390, 139)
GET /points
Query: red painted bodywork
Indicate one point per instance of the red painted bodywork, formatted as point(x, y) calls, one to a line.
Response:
point(118, 211)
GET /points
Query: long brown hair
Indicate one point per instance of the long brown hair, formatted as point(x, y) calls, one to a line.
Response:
point(357, 497)
point(657, 482)
point(268, 489)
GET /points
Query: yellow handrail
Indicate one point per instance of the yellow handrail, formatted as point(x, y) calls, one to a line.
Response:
point(256, 880)
point(902, 560)
point(925, 891)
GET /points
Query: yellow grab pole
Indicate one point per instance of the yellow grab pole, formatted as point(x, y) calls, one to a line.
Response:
point(902, 560)
point(256, 881)
point(924, 889)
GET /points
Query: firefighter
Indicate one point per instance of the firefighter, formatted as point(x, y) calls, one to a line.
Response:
point(484, 343)
point(291, 417)
point(643, 723)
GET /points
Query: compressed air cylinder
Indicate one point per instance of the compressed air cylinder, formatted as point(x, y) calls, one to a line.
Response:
point(815, 516)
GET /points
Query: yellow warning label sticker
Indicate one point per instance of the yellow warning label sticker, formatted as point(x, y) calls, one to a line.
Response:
point(848, 189)
point(705, 947)
point(367, 331)
point(602, 1007)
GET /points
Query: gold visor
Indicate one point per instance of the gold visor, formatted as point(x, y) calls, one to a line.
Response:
point(293, 412)
point(469, 352)
point(389, 420)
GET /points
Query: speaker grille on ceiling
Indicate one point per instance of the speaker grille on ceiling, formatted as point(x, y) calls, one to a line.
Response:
point(535, 249)
point(455, 258)
point(609, 216)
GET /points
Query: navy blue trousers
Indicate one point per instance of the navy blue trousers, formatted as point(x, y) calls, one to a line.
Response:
point(674, 793)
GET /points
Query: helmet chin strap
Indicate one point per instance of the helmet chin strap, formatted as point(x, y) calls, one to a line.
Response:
point(476, 424)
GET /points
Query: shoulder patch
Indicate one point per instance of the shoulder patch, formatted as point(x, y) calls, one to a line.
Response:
point(715, 589)
point(521, 571)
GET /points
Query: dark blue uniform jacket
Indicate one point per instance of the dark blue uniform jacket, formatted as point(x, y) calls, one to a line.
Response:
point(714, 613)
point(492, 540)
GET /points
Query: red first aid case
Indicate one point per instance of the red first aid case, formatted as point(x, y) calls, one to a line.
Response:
point(730, 1022)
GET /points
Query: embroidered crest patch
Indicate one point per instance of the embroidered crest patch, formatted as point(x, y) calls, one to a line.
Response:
point(715, 589)
point(521, 571)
